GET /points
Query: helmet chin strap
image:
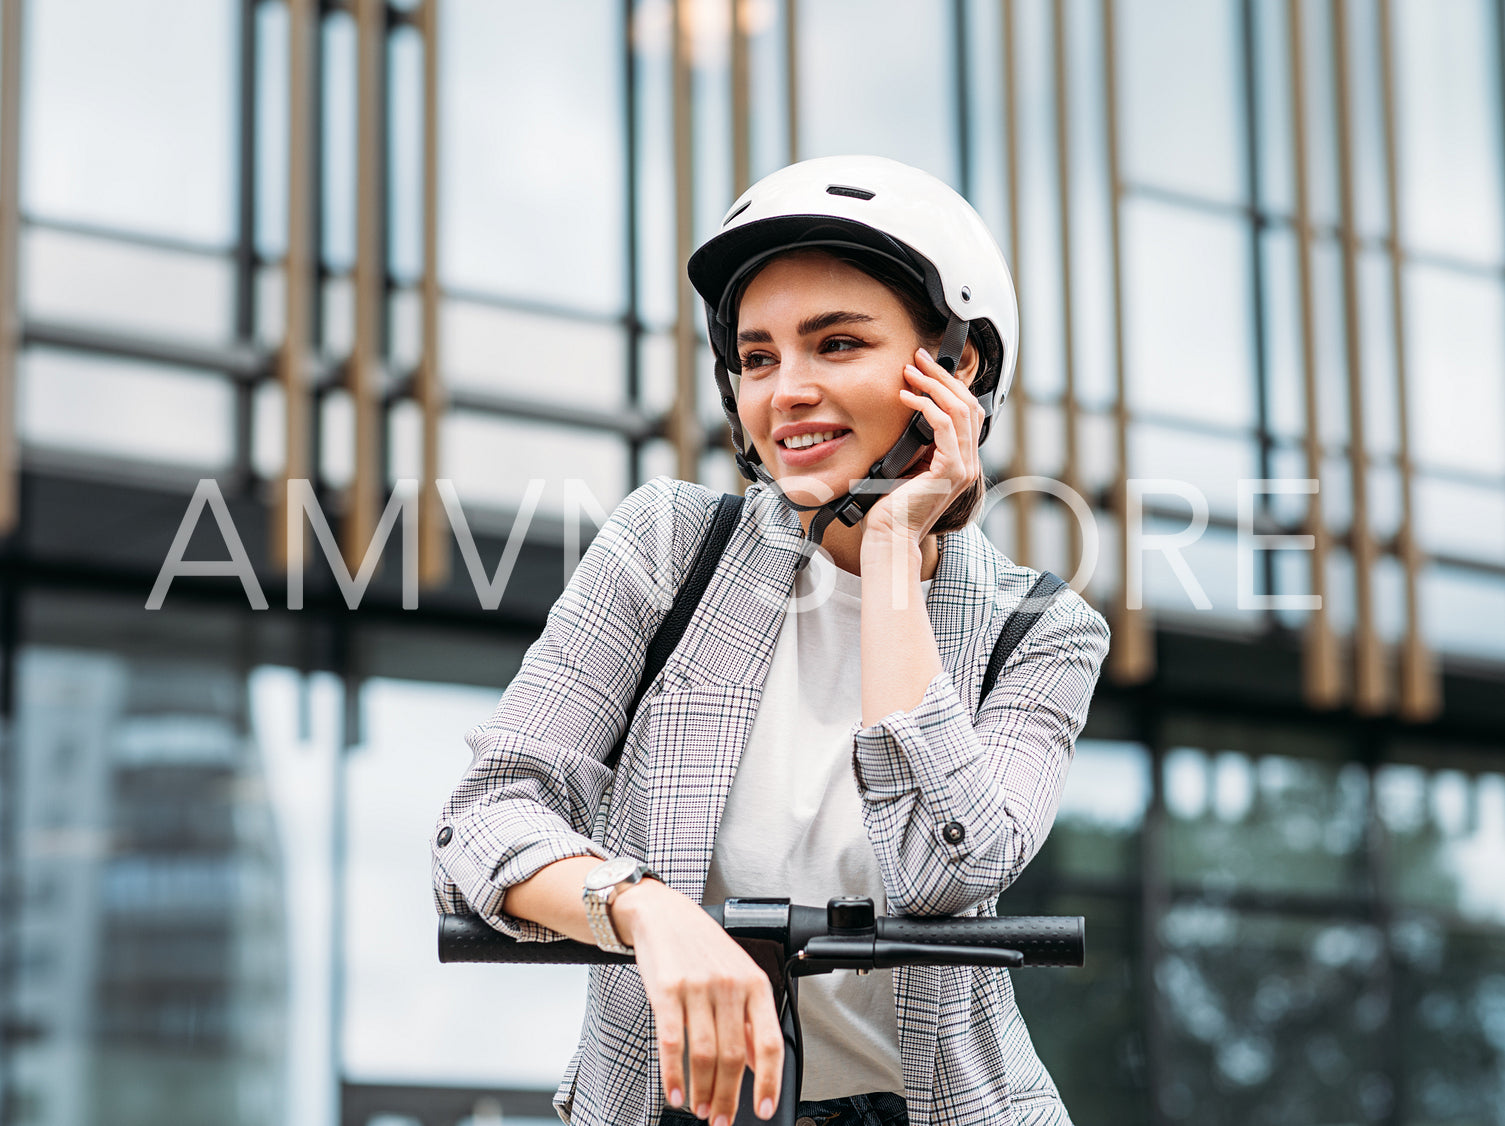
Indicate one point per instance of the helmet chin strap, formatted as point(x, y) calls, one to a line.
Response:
point(882, 477)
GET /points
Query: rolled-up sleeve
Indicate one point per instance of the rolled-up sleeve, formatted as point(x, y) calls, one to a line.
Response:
point(956, 806)
point(537, 774)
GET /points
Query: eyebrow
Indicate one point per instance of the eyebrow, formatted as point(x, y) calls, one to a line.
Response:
point(818, 323)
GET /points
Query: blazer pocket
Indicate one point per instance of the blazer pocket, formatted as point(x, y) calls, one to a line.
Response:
point(1039, 1107)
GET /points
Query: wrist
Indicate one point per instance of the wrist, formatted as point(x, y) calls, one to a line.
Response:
point(627, 906)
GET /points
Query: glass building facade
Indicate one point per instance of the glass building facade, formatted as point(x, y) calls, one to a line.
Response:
point(366, 244)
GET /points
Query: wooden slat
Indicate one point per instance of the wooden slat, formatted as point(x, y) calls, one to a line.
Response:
point(1420, 682)
point(293, 356)
point(363, 372)
point(792, 76)
point(1070, 471)
point(684, 422)
point(1024, 502)
point(434, 558)
point(1322, 675)
point(1131, 659)
point(1371, 691)
point(741, 101)
point(10, 250)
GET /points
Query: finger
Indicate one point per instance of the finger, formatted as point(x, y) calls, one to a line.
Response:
point(701, 1036)
point(934, 367)
point(670, 1019)
point(957, 403)
point(731, 1049)
point(943, 424)
point(765, 1045)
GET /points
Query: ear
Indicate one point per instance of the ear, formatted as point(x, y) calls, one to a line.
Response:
point(970, 365)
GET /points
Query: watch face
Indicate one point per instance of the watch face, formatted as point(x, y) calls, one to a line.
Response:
point(611, 873)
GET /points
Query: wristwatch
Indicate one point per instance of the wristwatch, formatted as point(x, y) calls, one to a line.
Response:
point(601, 887)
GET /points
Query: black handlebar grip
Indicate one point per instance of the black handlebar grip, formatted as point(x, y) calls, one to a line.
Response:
point(1044, 940)
point(467, 938)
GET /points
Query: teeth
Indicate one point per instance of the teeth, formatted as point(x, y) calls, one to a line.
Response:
point(800, 441)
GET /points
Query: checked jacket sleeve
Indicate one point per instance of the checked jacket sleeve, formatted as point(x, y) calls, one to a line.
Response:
point(537, 775)
point(957, 806)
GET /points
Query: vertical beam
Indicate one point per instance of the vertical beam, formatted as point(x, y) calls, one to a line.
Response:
point(363, 369)
point(1322, 679)
point(1370, 690)
point(245, 236)
point(634, 326)
point(962, 81)
point(433, 546)
point(792, 76)
point(1257, 223)
point(298, 264)
point(1070, 474)
point(741, 98)
point(1024, 502)
point(1132, 657)
point(684, 421)
point(10, 253)
point(1420, 685)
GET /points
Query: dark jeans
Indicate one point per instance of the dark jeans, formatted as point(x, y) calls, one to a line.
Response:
point(881, 1109)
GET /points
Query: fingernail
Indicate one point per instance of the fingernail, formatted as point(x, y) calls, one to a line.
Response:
point(765, 1108)
point(676, 1097)
point(911, 367)
point(722, 1120)
point(924, 355)
point(703, 1110)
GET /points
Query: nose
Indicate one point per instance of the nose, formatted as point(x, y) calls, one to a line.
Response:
point(796, 387)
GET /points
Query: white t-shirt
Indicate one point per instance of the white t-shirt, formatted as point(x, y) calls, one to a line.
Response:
point(793, 827)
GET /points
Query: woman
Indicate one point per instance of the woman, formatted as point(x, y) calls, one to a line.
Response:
point(765, 760)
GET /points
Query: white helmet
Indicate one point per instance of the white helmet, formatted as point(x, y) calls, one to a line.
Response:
point(867, 205)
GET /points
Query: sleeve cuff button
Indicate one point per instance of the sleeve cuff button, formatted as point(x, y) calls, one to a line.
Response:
point(446, 834)
point(954, 832)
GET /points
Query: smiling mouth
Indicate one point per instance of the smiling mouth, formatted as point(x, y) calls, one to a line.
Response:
point(805, 441)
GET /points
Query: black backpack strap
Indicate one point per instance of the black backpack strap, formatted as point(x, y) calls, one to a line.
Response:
point(672, 629)
point(1019, 623)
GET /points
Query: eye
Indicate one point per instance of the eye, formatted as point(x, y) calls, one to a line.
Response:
point(840, 344)
point(754, 360)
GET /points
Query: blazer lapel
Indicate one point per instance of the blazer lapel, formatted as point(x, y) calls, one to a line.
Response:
point(713, 686)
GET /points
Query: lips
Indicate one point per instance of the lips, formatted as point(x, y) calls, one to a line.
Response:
point(811, 447)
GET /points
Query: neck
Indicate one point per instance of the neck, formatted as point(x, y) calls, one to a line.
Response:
point(845, 547)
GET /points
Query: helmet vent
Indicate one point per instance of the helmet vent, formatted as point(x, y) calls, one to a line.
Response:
point(854, 193)
point(738, 210)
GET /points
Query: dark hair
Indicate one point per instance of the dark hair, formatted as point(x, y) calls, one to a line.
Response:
point(929, 325)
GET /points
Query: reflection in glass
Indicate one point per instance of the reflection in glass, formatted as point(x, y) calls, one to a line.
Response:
point(1182, 116)
point(1271, 1018)
point(531, 176)
point(1273, 823)
point(407, 1017)
point(1186, 298)
point(122, 408)
point(146, 828)
point(128, 113)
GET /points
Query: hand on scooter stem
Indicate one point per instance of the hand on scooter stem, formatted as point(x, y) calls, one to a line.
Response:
point(705, 991)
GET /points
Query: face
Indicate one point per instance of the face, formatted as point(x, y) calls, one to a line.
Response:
point(823, 348)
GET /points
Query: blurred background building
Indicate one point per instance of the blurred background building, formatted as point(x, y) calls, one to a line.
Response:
point(254, 240)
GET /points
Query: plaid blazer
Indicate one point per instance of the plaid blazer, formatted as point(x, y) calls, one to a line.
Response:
point(537, 789)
